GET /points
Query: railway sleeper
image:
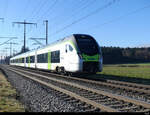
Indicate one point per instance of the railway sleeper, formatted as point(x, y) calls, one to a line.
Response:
point(119, 105)
point(87, 106)
point(145, 110)
point(73, 101)
point(128, 109)
point(67, 99)
point(111, 103)
point(101, 101)
point(93, 110)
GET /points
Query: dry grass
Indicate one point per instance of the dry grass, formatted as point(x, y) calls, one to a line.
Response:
point(8, 102)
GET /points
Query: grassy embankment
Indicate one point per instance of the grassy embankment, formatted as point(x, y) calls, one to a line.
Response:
point(8, 102)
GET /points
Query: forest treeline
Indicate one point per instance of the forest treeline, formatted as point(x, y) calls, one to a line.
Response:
point(117, 55)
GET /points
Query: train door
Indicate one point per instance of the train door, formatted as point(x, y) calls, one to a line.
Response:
point(24, 60)
point(35, 61)
point(69, 57)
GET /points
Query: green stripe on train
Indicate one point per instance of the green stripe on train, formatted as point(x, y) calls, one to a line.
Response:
point(49, 60)
point(29, 61)
point(94, 58)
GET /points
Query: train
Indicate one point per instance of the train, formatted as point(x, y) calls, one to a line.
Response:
point(77, 53)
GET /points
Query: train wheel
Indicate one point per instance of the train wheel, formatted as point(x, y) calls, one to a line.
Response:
point(58, 70)
point(70, 74)
point(63, 72)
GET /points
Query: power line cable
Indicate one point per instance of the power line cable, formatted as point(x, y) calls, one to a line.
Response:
point(120, 17)
point(39, 8)
point(77, 12)
point(86, 16)
point(6, 8)
point(48, 10)
point(24, 8)
point(7, 40)
point(73, 10)
point(27, 6)
point(34, 8)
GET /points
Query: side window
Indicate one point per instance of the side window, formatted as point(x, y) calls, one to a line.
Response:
point(70, 48)
point(55, 56)
point(27, 59)
point(32, 59)
point(42, 58)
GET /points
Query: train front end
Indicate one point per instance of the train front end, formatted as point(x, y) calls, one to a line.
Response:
point(89, 53)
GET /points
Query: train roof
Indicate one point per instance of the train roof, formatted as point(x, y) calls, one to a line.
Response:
point(54, 43)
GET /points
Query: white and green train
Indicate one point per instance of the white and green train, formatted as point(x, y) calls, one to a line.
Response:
point(78, 53)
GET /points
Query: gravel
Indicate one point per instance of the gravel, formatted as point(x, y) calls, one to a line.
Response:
point(38, 98)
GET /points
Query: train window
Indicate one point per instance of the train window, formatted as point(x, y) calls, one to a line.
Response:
point(42, 58)
point(70, 48)
point(27, 59)
point(87, 45)
point(32, 59)
point(55, 57)
point(22, 60)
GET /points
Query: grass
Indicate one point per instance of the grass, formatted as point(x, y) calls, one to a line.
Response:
point(128, 70)
point(8, 102)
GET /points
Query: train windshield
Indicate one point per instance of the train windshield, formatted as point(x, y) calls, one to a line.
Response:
point(87, 44)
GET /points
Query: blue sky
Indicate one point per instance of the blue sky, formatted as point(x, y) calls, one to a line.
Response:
point(125, 23)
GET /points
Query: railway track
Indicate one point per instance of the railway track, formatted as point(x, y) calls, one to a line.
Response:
point(131, 90)
point(92, 98)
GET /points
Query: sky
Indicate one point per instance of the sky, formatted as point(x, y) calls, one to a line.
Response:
point(117, 23)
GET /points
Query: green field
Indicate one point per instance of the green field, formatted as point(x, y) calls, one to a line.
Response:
point(128, 70)
point(136, 73)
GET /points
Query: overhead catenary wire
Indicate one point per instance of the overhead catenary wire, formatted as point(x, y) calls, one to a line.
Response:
point(7, 40)
point(82, 8)
point(34, 8)
point(48, 10)
point(76, 6)
point(6, 8)
point(39, 9)
point(120, 17)
point(27, 6)
point(57, 17)
point(86, 16)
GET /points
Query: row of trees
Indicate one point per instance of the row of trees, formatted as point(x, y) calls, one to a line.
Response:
point(7, 59)
point(115, 55)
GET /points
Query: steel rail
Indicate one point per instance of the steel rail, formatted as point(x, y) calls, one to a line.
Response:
point(71, 94)
point(112, 83)
point(118, 97)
